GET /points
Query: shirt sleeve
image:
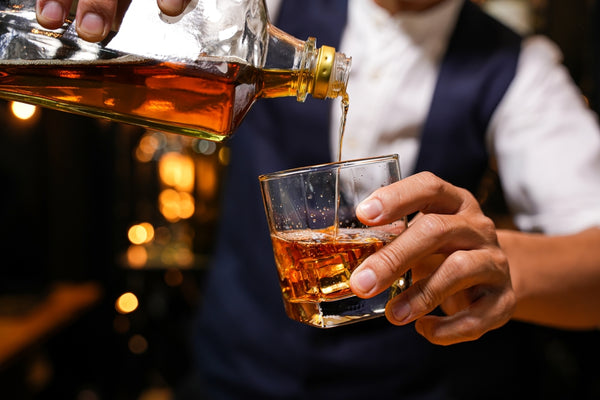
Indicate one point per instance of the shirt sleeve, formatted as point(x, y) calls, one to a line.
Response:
point(547, 144)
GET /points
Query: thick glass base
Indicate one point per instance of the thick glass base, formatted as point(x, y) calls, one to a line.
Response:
point(332, 313)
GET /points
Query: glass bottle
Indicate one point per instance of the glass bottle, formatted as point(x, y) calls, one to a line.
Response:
point(197, 74)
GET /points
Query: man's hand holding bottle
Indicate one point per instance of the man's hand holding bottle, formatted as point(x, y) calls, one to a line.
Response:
point(95, 18)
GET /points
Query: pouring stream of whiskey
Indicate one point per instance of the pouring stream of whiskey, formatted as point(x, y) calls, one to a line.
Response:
point(345, 103)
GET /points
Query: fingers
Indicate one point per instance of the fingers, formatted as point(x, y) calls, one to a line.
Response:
point(427, 235)
point(463, 278)
point(475, 298)
point(52, 13)
point(421, 192)
point(451, 248)
point(95, 18)
point(489, 312)
point(451, 220)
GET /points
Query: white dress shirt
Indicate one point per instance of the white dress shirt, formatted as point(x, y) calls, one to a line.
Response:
point(545, 139)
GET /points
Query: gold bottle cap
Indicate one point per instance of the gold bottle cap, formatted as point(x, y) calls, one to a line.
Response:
point(325, 60)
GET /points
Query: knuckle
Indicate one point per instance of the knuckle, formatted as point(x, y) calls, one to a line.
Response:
point(437, 186)
point(425, 298)
point(454, 269)
point(433, 225)
point(472, 328)
point(427, 176)
point(499, 258)
point(509, 304)
point(487, 226)
point(446, 332)
point(430, 182)
point(466, 194)
point(502, 310)
point(390, 259)
point(458, 260)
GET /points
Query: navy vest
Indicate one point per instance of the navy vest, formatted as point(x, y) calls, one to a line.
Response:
point(246, 346)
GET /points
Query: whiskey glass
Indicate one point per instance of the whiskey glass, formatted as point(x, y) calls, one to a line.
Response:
point(318, 241)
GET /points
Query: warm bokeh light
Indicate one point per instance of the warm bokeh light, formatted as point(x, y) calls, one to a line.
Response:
point(188, 183)
point(137, 234)
point(149, 144)
point(168, 202)
point(206, 181)
point(137, 256)
point(177, 256)
point(177, 170)
point(23, 111)
point(126, 303)
point(186, 205)
point(176, 205)
point(149, 231)
point(184, 257)
point(141, 233)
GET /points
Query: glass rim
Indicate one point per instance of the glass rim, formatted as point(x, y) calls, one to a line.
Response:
point(326, 166)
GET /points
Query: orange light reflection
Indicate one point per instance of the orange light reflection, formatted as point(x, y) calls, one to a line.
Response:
point(126, 303)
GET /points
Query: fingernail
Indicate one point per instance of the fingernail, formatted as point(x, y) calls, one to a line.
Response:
point(400, 311)
point(370, 209)
point(53, 11)
point(364, 280)
point(92, 24)
point(173, 6)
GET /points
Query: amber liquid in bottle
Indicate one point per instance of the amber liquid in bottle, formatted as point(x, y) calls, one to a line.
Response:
point(206, 100)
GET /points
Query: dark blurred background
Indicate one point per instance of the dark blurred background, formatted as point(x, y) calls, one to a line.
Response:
point(105, 233)
point(101, 266)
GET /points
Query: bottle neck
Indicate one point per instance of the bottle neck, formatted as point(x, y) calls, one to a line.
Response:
point(321, 72)
point(331, 73)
